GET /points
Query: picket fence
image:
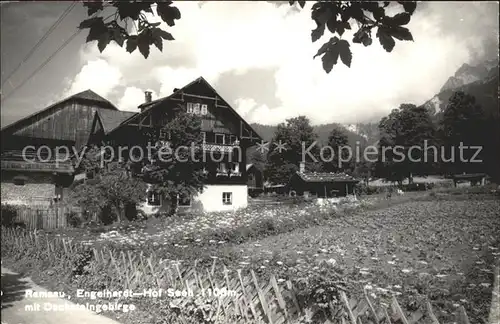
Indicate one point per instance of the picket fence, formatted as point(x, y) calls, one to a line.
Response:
point(242, 296)
point(44, 216)
point(246, 298)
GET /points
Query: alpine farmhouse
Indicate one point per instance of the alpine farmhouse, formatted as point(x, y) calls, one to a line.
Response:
point(85, 121)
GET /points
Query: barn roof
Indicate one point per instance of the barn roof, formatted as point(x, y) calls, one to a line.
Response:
point(325, 177)
point(92, 96)
point(111, 119)
point(87, 95)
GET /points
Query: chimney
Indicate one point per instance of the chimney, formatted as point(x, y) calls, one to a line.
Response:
point(147, 95)
point(302, 167)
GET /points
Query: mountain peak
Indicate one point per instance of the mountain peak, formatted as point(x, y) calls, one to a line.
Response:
point(467, 74)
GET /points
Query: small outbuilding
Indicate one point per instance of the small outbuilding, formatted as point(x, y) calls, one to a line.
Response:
point(471, 179)
point(322, 184)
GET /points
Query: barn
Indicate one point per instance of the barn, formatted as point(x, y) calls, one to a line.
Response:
point(37, 153)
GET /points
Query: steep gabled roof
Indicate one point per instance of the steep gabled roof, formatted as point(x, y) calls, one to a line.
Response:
point(87, 95)
point(92, 96)
point(325, 177)
point(146, 107)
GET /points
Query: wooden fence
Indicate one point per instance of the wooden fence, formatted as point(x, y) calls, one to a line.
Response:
point(44, 216)
point(238, 296)
point(246, 298)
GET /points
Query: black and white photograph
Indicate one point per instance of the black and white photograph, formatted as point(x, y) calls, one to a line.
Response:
point(250, 162)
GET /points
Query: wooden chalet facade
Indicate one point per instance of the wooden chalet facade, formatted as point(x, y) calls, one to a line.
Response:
point(36, 153)
point(88, 119)
point(225, 135)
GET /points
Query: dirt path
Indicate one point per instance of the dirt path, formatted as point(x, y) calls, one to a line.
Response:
point(18, 308)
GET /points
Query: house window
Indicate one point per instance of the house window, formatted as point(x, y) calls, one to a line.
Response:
point(233, 139)
point(184, 201)
point(196, 108)
point(204, 109)
point(227, 198)
point(235, 167)
point(222, 167)
point(219, 139)
point(250, 177)
point(189, 107)
point(204, 137)
point(154, 198)
point(58, 193)
point(163, 134)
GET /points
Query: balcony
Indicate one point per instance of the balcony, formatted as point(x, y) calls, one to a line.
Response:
point(219, 147)
point(225, 173)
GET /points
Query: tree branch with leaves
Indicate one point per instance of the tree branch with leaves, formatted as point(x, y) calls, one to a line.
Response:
point(336, 16)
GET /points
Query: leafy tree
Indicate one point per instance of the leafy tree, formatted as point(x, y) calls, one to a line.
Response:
point(408, 135)
point(389, 131)
point(337, 140)
point(113, 188)
point(256, 158)
point(297, 135)
point(463, 122)
point(336, 16)
point(176, 168)
point(363, 170)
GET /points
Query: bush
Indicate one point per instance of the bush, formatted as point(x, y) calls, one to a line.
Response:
point(362, 189)
point(74, 219)
point(416, 187)
point(9, 214)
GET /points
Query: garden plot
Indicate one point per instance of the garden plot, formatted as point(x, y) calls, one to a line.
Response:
point(211, 226)
point(236, 227)
point(441, 249)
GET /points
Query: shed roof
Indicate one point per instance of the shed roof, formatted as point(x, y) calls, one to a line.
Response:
point(38, 166)
point(469, 176)
point(111, 119)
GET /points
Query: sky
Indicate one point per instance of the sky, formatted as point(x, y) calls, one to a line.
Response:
point(258, 55)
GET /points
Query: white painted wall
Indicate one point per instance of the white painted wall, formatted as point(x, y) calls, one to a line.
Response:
point(210, 200)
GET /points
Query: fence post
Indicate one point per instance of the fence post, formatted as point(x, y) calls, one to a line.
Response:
point(494, 317)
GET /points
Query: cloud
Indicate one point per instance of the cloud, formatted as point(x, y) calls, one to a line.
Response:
point(132, 98)
point(217, 40)
point(98, 75)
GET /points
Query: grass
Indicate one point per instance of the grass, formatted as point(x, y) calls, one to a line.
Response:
point(225, 227)
point(440, 245)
